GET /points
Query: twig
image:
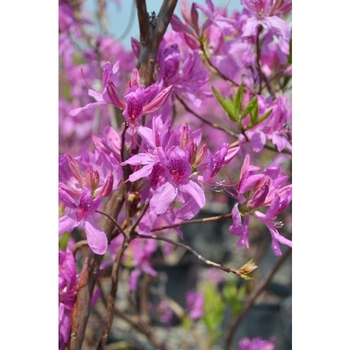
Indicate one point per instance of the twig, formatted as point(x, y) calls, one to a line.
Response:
point(194, 252)
point(214, 125)
point(135, 322)
point(196, 221)
point(81, 308)
point(144, 297)
point(262, 76)
point(234, 324)
point(79, 245)
point(113, 220)
point(143, 328)
point(259, 30)
point(112, 294)
point(222, 75)
point(88, 276)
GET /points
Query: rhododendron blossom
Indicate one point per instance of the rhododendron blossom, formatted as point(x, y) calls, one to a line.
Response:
point(173, 153)
point(137, 100)
point(177, 173)
point(256, 191)
point(82, 196)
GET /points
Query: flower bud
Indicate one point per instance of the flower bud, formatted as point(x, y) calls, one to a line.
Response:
point(107, 186)
point(75, 169)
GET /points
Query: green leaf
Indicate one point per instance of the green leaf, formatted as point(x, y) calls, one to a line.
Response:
point(237, 102)
point(264, 116)
point(248, 108)
point(213, 307)
point(234, 296)
point(254, 115)
point(63, 242)
point(226, 104)
point(219, 98)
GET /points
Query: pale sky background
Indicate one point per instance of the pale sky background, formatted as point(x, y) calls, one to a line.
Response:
point(118, 19)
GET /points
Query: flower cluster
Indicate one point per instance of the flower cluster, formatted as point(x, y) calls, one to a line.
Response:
point(255, 191)
point(214, 124)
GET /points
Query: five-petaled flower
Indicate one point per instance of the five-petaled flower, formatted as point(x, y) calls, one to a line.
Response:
point(138, 100)
point(82, 196)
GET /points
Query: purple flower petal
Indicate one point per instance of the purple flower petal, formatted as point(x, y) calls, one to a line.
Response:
point(162, 198)
point(66, 224)
point(195, 191)
point(89, 106)
point(96, 238)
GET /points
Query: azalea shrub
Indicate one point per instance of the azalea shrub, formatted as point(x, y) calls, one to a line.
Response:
point(195, 115)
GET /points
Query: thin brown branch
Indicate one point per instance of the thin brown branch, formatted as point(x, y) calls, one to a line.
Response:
point(196, 221)
point(194, 252)
point(112, 295)
point(79, 245)
point(259, 30)
point(144, 292)
point(88, 276)
point(234, 324)
point(214, 125)
point(216, 69)
point(274, 149)
point(142, 15)
point(81, 308)
point(133, 228)
point(136, 322)
point(262, 76)
point(143, 328)
point(113, 220)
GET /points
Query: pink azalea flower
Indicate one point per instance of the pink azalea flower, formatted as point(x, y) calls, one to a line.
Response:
point(256, 344)
point(177, 171)
point(165, 312)
point(137, 100)
point(195, 305)
point(277, 206)
point(109, 144)
point(79, 172)
point(141, 251)
point(239, 229)
point(263, 15)
point(222, 156)
point(185, 71)
point(216, 16)
point(272, 128)
point(81, 212)
point(154, 139)
point(261, 190)
point(82, 194)
point(247, 179)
